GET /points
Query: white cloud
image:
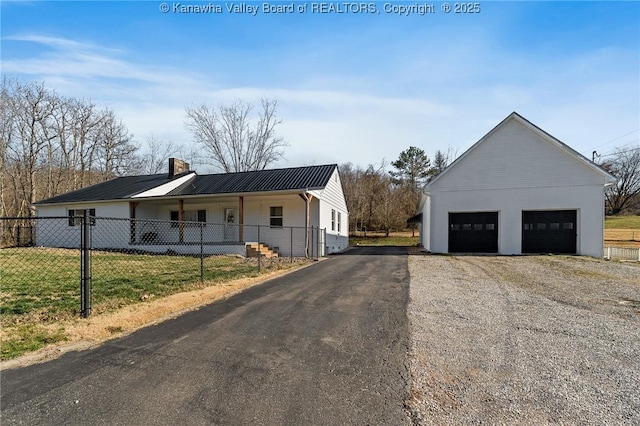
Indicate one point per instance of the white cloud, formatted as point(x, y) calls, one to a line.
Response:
point(584, 100)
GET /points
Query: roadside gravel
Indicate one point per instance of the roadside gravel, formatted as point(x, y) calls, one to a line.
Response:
point(524, 340)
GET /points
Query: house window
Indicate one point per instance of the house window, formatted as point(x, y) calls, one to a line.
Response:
point(190, 216)
point(339, 222)
point(275, 217)
point(333, 220)
point(75, 217)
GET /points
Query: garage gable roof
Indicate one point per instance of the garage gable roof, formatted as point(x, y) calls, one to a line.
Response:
point(609, 178)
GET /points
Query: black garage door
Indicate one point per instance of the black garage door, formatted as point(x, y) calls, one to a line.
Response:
point(473, 232)
point(549, 231)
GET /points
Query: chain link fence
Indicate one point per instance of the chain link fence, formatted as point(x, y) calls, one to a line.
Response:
point(55, 262)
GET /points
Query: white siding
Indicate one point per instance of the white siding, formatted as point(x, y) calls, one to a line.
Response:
point(332, 198)
point(425, 229)
point(511, 170)
point(256, 212)
point(509, 203)
point(516, 157)
point(58, 233)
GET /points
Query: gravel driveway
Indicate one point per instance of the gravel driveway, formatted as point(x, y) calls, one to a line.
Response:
point(524, 340)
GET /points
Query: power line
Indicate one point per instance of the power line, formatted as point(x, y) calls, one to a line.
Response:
point(617, 152)
point(618, 138)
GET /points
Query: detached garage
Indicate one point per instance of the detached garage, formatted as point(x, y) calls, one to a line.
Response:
point(517, 190)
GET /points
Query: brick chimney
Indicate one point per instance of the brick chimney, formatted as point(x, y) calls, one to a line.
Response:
point(177, 166)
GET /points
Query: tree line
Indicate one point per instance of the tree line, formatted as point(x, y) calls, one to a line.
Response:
point(379, 199)
point(51, 144)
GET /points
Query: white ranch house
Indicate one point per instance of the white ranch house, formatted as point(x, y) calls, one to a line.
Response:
point(517, 190)
point(226, 208)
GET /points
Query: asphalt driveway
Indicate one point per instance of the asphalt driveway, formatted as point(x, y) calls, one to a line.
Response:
point(324, 345)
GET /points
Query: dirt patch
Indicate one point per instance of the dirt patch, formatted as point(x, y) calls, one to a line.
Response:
point(90, 332)
point(626, 238)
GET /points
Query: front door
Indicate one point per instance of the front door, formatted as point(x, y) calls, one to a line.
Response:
point(230, 227)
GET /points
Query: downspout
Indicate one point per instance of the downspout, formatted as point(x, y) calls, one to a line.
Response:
point(307, 213)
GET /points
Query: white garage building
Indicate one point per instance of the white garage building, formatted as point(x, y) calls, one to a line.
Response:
point(517, 190)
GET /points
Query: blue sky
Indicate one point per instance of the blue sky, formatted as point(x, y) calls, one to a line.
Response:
point(351, 87)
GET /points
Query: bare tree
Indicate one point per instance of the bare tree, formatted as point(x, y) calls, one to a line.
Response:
point(356, 194)
point(50, 144)
point(117, 153)
point(625, 194)
point(157, 151)
point(233, 141)
point(29, 110)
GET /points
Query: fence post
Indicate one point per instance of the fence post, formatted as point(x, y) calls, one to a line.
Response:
point(259, 252)
point(291, 241)
point(85, 246)
point(324, 242)
point(201, 256)
point(312, 244)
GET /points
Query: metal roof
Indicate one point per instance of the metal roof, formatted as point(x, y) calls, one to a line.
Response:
point(297, 178)
point(114, 189)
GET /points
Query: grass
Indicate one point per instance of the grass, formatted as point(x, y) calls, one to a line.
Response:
point(398, 239)
point(27, 338)
point(40, 287)
point(622, 222)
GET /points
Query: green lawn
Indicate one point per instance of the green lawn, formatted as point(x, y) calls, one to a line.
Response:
point(40, 286)
point(622, 222)
point(384, 241)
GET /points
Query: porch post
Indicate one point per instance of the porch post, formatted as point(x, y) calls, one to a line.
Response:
point(241, 219)
point(132, 221)
point(180, 221)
